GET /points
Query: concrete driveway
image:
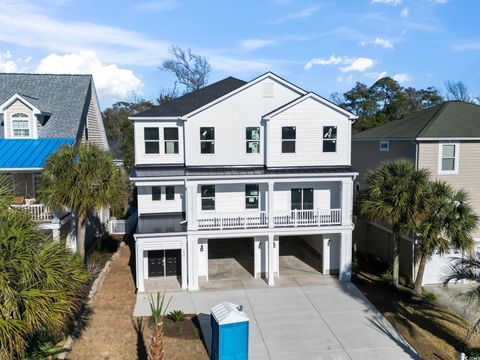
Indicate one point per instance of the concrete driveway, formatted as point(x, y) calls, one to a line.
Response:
point(330, 321)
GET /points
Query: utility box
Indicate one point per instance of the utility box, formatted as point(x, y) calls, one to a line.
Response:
point(229, 332)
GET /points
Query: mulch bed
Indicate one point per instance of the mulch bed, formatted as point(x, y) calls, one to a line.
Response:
point(432, 330)
point(187, 328)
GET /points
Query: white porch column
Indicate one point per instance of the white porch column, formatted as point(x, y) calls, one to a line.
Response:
point(270, 204)
point(191, 204)
point(192, 256)
point(347, 201)
point(345, 273)
point(184, 264)
point(56, 234)
point(271, 261)
point(139, 267)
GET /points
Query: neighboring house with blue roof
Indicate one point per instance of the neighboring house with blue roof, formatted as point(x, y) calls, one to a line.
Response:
point(38, 114)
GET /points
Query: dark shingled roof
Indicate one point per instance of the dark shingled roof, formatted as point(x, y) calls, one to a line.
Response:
point(192, 101)
point(180, 171)
point(65, 97)
point(451, 119)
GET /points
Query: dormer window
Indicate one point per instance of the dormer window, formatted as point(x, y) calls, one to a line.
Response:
point(20, 125)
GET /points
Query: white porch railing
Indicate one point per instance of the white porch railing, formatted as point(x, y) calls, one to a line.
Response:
point(39, 211)
point(294, 218)
point(259, 219)
point(116, 226)
point(231, 220)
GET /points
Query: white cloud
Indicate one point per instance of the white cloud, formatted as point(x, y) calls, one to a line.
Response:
point(360, 64)
point(254, 44)
point(331, 60)
point(376, 75)
point(388, 2)
point(467, 45)
point(387, 44)
point(304, 13)
point(110, 80)
point(404, 12)
point(157, 6)
point(403, 77)
point(10, 65)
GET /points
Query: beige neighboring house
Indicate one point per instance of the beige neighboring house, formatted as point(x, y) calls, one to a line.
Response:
point(38, 114)
point(444, 139)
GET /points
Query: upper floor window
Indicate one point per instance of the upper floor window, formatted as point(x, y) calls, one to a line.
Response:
point(156, 193)
point(207, 140)
point(169, 192)
point(170, 135)
point(252, 195)
point(253, 140)
point(385, 146)
point(20, 125)
point(152, 140)
point(329, 139)
point(289, 134)
point(208, 197)
point(448, 158)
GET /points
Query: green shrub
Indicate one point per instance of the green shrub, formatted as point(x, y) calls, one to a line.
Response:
point(176, 315)
point(429, 296)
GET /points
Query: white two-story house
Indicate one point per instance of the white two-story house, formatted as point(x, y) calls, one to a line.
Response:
point(242, 167)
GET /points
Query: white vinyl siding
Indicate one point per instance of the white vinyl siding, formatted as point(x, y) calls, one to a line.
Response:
point(18, 107)
point(230, 118)
point(147, 205)
point(309, 118)
point(141, 157)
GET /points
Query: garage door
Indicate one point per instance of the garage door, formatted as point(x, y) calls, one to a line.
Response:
point(437, 267)
point(164, 263)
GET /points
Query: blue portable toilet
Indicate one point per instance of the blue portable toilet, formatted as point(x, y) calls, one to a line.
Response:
point(229, 332)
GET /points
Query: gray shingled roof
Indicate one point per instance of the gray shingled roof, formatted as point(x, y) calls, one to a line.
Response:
point(65, 97)
point(451, 119)
point(194, 100)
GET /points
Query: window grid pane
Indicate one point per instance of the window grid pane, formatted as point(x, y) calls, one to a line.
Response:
point(329, 139)
point(171, 147)
point(156, 193)
point(170, 133)
point(169, 192)
point(208, 197)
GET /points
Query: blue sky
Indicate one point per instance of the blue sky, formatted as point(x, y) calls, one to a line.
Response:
point(323, 46)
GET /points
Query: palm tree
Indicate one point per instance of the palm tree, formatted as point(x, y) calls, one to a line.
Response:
point(467, 269)
point(85, 179)
point(394, 194)
point(158, 309)
point(41, 282)
point(449, 223)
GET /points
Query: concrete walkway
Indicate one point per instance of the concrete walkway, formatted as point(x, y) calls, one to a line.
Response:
point(327, 321)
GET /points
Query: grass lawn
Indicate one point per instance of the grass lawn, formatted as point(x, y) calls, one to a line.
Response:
point(434, 331)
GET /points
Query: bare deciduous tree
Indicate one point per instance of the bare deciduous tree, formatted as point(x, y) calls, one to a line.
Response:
point(457, 90)
point(191, 70)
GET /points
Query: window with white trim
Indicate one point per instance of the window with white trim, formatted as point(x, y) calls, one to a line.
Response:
point(301, 199)
point(208, 197)
point(207, 140)
point(252, 196)
point(20, 125)
point(289, 135)
point(253, 140)
point(448, 158)
point(329, 139)
point(152, 140)
point(170, 136)
point(385, 146)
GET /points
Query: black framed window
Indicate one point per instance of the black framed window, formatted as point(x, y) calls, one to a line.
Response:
point(156, 193)
point(207, 140)
point(208, 197)
point(252, 196)
point(329, 139)
point(152, 140)
point(169, 192)
point(301, 199)
point(289, 135)
point(170, 136)
point(253, 140)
